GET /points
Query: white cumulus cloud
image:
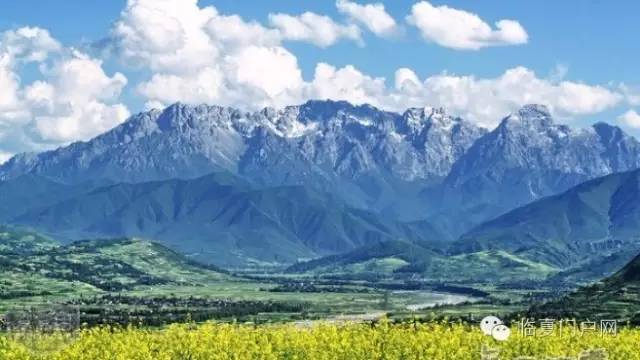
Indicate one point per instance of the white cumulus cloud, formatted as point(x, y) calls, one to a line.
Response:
point(204, 86)
point(631, 94)
point(72, 98)
point(165, 34)
point(215, 58)
point(373, 16)
point(233, 31)
point(630, 118)
point(482, 100)
point(23, 45)
point(463, 30)
point(28, 44)
point(248, 67)
point(406, 81)
point(77, 101)
point(346, 83)
point(487, 100)
point(317, 29)
point(271, 69)
point(9, 83)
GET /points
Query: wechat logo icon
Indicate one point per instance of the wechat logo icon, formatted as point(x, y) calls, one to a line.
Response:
point(494, 327)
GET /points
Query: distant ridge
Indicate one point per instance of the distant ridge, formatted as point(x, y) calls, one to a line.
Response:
point(593, 219)
point(219, 218)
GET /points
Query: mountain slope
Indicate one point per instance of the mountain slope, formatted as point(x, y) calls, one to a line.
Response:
point(28, 191)
point(528, 157)
point(616, 297)
point(151, 258)
point(220, 218)
point(305, 173)
point(189, 141)
point(592, 219)
point(406, 252)
point(322, 144)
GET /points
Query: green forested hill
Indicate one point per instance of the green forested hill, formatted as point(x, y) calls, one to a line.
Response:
point(220, 219)
point(616, 297)
point(32, 265)
point(402, 259)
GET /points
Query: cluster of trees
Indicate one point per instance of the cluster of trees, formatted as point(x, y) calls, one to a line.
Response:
point(104, 274)
point(310, 287)
point(158, 310)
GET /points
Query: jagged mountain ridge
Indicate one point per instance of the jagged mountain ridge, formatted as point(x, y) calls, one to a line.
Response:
point(329, 134)
point(528, 157)
point(364, 151)
point(529, 139)
point(419, 164)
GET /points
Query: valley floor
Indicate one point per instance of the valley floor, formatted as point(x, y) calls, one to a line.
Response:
point(268, 301)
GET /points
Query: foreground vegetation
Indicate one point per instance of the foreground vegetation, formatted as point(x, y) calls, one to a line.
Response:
point(382, 340)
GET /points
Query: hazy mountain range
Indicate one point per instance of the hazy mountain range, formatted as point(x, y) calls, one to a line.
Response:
point(329, 177)
point(220, 218)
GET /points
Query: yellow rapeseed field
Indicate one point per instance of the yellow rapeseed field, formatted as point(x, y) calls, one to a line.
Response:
point(383, 340)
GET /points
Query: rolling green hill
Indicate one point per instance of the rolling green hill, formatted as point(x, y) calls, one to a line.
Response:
point(396, 258)
point(404, 253)
point(591, 220)
point(32, 265)
point(616, 297)
point(16, 241)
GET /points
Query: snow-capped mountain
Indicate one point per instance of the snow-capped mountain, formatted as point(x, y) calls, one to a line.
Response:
point(420, 164)
point(360, 148)
point(528, 156)
point(529, 139)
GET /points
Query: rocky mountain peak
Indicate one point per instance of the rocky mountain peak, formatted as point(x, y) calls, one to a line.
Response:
point(532, 117)
point(610, 133)
point(322, 110)
point(417, 120)
point(181, 117)
point(534, 110)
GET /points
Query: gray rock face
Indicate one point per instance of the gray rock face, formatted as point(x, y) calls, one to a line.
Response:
point(419, 164)
point(528, 156)
point(359, 148)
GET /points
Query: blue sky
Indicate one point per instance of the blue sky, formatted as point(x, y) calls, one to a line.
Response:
point(597, 41)
point(590, 43)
